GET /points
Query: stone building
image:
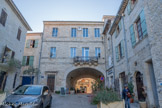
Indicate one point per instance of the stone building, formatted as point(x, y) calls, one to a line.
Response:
point(31, 57)
point(137, 49)
point(71, 50)
point(13, 28)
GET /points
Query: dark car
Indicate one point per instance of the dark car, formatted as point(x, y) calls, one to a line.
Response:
point(29, 96)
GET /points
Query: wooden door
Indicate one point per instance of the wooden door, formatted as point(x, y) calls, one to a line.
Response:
point(51, 82)
point(139, 83)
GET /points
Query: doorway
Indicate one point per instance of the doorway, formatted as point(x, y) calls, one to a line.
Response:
point(51, 82)
point(139, 84)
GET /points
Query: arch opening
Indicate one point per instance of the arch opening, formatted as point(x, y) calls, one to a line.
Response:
point(81, 79)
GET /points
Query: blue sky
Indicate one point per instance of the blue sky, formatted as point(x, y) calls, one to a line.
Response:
point(37, 11)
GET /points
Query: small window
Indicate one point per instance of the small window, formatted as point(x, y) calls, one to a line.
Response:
point(85, 32)
point(139, 29)
point(73, 32)
point(3, 17)
point(54, 32)
point(53, 52)
point(19, 34)
point(97, 32)
point(73, 52)
point(97, 52)
point(28, 60)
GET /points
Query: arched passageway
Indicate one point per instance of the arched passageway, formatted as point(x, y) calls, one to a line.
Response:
point(81, 79)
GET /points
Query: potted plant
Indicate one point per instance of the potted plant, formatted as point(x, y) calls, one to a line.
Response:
point(72, 91)
point(131, 87)
point(107, 99)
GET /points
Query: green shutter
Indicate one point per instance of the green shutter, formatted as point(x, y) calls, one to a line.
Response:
point(36, 43)
point(31, 60)
point(24, 61)
point(143, 23)
point(120, 25)
point(28, 44)
point(117, 53)
point(129, 7)
point(122, 48)
point(132, 34)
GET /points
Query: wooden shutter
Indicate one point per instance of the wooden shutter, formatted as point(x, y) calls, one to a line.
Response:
point(122, 48)
point(129, 7)
point(19, 34)
point(24, 60)
point(120, 25)
point(36, 43)
point(117, 53)
point(143, 23)
point(28, 44)
point(31, 60)
point(132, 34)
point(3, 17)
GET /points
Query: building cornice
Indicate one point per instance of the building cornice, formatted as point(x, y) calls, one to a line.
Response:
point(118, 16)
point(72, 22)
point(18, 13)
point(107, 26)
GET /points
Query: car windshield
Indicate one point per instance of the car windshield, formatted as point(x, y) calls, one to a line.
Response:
point(28, 90)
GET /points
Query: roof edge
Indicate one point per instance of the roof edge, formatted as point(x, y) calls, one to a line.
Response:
point(118, 16)
point(14, 7)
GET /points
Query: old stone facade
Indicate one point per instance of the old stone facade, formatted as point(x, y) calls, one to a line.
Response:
point(71, 50)
point(13, 28)
point(31, 57)
point(136, 37)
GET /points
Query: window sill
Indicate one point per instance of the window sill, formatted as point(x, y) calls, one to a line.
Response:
point(140, 41)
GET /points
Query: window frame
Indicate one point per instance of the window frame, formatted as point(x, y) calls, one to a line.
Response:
point(73, 32)
point(53, 53)
point(54, 32)
point(19, 34)
point(3, 17)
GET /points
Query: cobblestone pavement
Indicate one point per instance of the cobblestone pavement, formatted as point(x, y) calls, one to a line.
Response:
point(76, 101)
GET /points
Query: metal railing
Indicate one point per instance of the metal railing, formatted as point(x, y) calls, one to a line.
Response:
point(82, 59)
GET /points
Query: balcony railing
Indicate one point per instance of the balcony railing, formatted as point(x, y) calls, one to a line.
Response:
point(85, 60)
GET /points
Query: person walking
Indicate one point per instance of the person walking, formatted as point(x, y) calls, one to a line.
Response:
point(126, 96)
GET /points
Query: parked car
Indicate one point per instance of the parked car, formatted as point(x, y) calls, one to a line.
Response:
point(29, 96)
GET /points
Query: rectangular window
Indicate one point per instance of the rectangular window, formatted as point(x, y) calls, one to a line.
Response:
point(31, 43)
point(97, 52)
point(85, 32)
point(3, 17)
point(19, 34)
point(53, 52)
point(85, 53)
point(54, 32)
point(139, 29)
point(73, 32)
point(119, 51)
point(28, 60)
point(97, 32)
point(73, 52)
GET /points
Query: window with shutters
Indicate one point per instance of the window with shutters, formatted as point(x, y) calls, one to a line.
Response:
point(97, 32)
point(55, 32)
point(19, 34)
point(138, 30)
point(3, 17)
point(53, 52)
point(85, 32)
point(73, 32)
point(28, 60)
point(119, 51)
point(131, 5)
point(32, 43)
point(73, 52)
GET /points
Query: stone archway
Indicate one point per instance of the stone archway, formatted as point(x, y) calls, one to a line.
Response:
point(82, 73)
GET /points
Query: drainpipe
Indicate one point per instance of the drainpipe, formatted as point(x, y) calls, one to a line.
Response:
point(39, 74)
point(125, 41)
